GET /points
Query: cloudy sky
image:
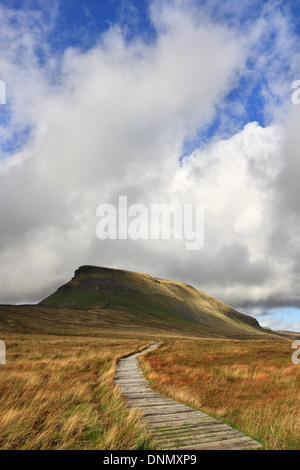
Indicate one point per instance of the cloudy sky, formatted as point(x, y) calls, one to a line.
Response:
point(180, 101)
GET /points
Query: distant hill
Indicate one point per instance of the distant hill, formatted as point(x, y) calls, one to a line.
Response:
point(120, 298)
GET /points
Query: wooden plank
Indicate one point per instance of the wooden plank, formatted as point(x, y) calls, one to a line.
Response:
point(191, 432)
point(229, 444)
point(200, 439)
point(179, 423)
point(173, 417)
point(165, 412)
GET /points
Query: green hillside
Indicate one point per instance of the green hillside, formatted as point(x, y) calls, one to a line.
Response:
point(154, 302)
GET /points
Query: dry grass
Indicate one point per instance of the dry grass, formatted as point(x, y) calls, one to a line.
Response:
point(251, 385)
point(56, 392)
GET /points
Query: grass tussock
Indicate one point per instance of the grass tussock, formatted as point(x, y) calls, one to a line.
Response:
point(251, 385)
point(57, 393)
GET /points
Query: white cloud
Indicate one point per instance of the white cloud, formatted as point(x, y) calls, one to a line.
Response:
point(113, 121)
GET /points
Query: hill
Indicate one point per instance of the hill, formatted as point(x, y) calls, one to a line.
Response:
point(106, 297)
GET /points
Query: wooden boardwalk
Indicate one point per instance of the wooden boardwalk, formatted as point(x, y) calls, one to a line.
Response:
point(174, 425)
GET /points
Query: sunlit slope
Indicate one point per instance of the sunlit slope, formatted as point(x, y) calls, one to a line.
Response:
point(151, 298)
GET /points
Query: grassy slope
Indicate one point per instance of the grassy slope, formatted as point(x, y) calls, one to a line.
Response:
point(158, 303)
point(56, 392)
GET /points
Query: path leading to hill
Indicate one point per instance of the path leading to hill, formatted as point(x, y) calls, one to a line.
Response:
point(174, 425)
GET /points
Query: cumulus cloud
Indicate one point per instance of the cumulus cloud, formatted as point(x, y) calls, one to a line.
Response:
point(113, 120)
point(279, 323)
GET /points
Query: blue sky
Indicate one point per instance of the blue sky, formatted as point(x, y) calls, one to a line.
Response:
point(79, 24)
point(284, 318)
point(163, 100)
point(82, 24)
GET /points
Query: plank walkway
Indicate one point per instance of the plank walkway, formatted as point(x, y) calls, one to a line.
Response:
point(174, 425)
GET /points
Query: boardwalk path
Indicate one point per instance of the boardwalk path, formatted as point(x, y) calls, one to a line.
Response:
point(174, 425)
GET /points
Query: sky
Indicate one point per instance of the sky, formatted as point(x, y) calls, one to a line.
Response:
point(166, 102)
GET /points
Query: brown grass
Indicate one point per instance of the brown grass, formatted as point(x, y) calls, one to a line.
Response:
point(251, 385)
point(57, 392)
